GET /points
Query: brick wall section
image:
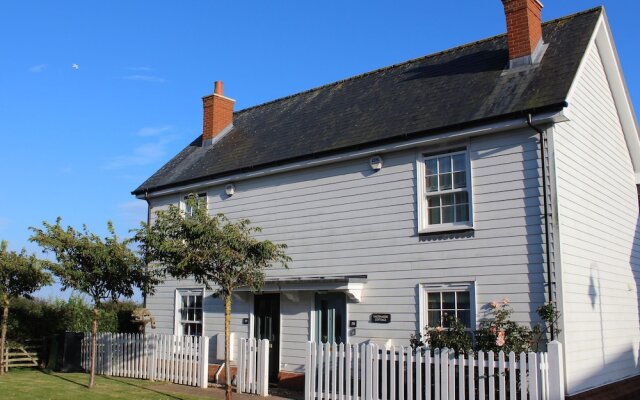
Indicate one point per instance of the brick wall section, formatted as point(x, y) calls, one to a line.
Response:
point(218, 114)
point(524, 26)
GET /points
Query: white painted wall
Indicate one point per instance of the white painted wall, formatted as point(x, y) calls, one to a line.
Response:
point(345, 219)
point(599, 236)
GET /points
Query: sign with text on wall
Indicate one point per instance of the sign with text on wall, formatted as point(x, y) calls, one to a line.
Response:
point(380, 318)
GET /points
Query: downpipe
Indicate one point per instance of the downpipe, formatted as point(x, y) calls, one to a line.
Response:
point(546, 213)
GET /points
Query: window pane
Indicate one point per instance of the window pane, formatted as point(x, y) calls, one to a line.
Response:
point(192, 301)
point(459, 162)
point(433, 319)
point(183, 314)
point(199, 314)
point(445, 181)
point(432, 183)
point(444, 164)
point(447, 214)
point(191, 314)
point(184, 301)
point(432, 166)
point(446, 322)
point(434, 201)
point(459, 180)
point(449, 300)
point(434, 216)
point(447, 199)
point(462, 213)
point(463, 299)
point(462, 197)
point(199, 301)
point(433, 301)
point(465, 317)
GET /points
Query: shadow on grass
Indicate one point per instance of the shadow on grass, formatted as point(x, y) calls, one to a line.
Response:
point(170, 396)
point(63, 378)
point(86, 386)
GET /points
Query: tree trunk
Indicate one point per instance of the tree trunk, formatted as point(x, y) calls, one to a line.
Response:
point(227, 345)
point(94, 348)
point(3, 335)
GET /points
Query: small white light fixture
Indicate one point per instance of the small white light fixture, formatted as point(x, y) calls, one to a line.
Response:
point(375, 163)
point(229, 189)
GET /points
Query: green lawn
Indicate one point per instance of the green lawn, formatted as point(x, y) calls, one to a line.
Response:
point(34, 384)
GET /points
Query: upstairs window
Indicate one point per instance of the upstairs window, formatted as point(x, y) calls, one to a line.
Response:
point(445, 195)
point(188, 208)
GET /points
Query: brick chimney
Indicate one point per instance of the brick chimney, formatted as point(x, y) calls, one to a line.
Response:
point(524, 31)
point(217, 115)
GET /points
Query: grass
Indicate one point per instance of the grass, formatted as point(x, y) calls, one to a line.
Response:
point(35, 384)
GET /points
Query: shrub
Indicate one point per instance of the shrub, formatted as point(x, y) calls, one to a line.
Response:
point(456, 337)
point(36, 318)
point(496, 333)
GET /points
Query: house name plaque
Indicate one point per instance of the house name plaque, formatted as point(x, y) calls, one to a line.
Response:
point(379, 318)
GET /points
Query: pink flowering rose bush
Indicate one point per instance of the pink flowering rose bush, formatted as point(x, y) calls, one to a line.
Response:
point(497, 332)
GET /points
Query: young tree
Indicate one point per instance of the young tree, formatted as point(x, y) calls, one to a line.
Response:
point(216, 252)
point(103, 268)
point(20, 275)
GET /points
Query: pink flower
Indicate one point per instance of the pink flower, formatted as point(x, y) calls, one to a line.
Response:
point(500, 339)
point(439, 329)
point(494, 304)
point(505, 301)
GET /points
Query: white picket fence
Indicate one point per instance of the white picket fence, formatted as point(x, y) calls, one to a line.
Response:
point(253, 367)
point(367, 372)
point(179, 359)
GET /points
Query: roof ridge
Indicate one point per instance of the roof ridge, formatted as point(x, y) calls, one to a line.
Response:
point(413, 60)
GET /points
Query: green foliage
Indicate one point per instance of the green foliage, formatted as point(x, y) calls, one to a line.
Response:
point(456, 337)
point(37, 318)
point(499, 333)
point(212, 249)
point(20, 274)
point(104, 269)
point(496, 333)
point(550, 315)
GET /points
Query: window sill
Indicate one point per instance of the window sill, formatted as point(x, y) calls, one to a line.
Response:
point(446, 229)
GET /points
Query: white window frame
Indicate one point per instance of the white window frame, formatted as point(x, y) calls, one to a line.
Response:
point(177, 325)
point(463, 286)
point(185, 207)
point(423, 221)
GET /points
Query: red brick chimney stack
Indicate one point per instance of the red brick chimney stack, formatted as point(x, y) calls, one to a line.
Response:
point(217, 115)
point(524, 31)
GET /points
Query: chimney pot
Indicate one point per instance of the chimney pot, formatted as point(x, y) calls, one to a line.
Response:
point(217, 89)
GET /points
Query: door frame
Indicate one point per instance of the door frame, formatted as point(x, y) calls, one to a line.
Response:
point(313, 323)
point(252, 322)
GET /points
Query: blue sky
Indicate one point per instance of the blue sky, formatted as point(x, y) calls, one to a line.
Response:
point(76, 142)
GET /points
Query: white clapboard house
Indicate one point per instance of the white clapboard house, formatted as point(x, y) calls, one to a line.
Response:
point(419, 189)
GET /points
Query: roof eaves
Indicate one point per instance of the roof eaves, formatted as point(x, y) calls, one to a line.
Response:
point(398, 138)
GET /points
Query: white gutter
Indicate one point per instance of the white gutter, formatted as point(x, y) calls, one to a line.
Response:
point(540, 119)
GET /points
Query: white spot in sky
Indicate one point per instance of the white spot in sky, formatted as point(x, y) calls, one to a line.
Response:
point(75, 66)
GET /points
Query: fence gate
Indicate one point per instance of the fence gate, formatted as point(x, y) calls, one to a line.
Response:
point(367, 372)
point(18, 355)
point(253, 367)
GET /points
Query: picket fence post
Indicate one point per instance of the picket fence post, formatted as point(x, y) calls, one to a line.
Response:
point(203, 357)
point(555, 370)
point(263, 389)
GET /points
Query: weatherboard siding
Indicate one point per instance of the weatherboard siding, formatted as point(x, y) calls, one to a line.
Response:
point(598, 225)
point(345, 219)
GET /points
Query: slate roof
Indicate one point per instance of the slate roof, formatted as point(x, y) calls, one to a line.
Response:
point(462, 86)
